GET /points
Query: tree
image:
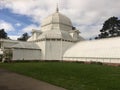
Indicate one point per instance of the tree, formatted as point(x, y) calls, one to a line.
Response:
point(3, 34)
point(111, 28)
point(24, 37)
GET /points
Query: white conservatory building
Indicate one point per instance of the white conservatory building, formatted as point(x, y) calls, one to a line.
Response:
point(58, 39)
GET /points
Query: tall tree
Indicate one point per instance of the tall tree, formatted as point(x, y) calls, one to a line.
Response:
point(24, 37)
point(111, 28)
point(3, 34)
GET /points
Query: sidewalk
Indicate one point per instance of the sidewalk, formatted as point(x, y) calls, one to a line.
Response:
point(13, 81)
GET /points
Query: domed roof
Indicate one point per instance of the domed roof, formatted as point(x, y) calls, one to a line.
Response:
point(57, 18)
point(56, 21)
point(56, 26)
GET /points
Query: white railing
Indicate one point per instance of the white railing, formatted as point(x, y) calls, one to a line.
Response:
point(93, 59)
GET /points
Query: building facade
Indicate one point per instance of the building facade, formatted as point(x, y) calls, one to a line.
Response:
point(58, 39)
point(56, 35)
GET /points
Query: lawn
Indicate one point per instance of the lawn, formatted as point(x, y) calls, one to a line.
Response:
point(72, 76)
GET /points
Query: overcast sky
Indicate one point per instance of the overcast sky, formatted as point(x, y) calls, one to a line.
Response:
point(19, 16)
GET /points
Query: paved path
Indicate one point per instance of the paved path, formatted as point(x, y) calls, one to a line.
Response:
point(13, 81)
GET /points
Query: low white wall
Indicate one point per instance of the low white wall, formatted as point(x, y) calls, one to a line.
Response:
point(89, 59)
point(26, 54)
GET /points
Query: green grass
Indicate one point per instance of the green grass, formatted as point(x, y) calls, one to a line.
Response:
point(72, 76)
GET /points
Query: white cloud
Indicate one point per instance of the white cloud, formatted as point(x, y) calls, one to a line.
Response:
point(37, 9)
point(18, 24)
point(81, 12)
point(14, 37)
point(89, 31)
point(30, 27)
point(27, 29)
point(7, 26)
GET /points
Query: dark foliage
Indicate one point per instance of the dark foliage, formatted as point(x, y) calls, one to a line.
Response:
point(111, 28)
point(24, 37)
point(3, 34)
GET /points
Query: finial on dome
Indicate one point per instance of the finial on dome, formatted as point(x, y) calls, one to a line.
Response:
point(57, 9)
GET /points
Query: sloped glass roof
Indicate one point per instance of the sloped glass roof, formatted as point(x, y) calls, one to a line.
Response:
point(26, 45)
point(105, 48)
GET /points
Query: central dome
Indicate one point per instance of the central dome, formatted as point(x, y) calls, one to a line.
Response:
point(56, 21)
